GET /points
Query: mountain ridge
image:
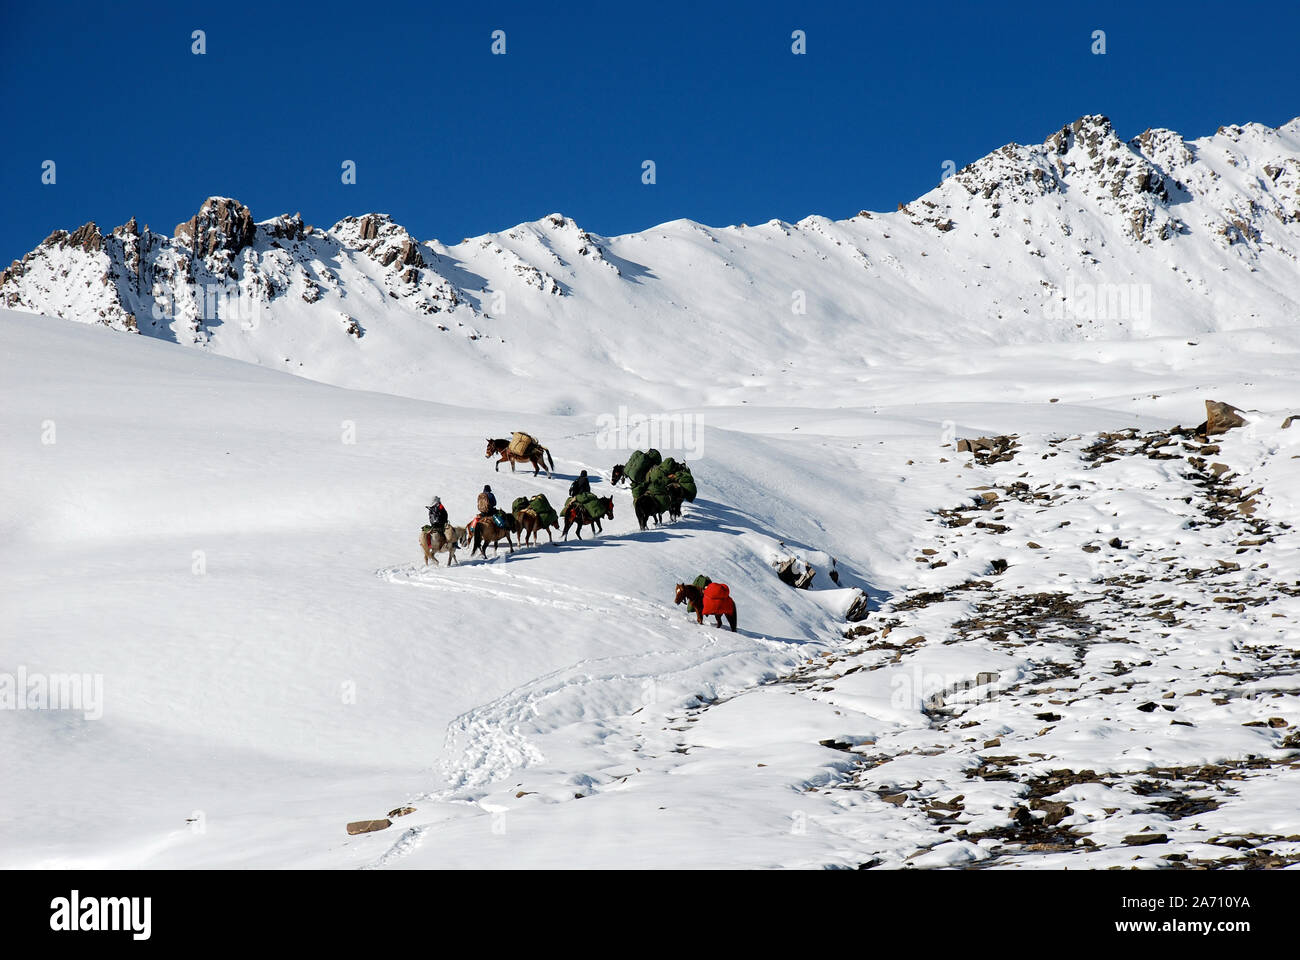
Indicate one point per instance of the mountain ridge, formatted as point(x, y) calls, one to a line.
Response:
point(1083, 211)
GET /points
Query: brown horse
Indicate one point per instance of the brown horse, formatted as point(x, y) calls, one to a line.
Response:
point(433, 543)
point(693, 595)
point(575, 514)
point(538, 456)
point(529, 523)
point(486, 531)
point(617, 475)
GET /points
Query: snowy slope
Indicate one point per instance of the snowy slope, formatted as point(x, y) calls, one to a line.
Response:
point(223, 689)
point(217, 521)
point(552, 707)
point(1084, 238)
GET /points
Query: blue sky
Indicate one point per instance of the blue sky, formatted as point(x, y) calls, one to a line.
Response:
point(454, 141)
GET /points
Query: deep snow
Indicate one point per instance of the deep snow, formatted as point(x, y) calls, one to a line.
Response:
point(303, 669)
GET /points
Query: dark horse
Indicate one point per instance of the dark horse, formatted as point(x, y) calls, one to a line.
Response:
point(647, 506)
point(617, 475)
point(689, 593)
point(538, 456)
point(575, 514)
point(486, 531)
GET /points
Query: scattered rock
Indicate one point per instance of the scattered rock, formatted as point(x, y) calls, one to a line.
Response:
point(1221, 417)
point(368, 826)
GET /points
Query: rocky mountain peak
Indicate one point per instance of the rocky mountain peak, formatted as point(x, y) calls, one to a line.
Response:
point(221, 224)
point(87, 237)
point(382, 239)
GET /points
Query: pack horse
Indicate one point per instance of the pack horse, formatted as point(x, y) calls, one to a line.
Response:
point(521, 448)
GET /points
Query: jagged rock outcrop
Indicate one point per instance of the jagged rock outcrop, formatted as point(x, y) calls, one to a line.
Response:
point(1220, 417)
point(221, 224)
point(385, 242)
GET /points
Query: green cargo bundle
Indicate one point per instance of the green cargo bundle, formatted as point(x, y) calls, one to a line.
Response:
point(639, 464)
point(589, 502)
point(540, 506)
point(667, 473)
point(686, 481)
point(660, 496)
point(545, 512)
point(701, 581)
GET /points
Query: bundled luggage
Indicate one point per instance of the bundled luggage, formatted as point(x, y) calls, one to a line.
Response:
point(639, 464)
point(717, 600)
point(521, 445)
point(588, 502)
point(660, 480)
point(540, 506)
point(701, 581)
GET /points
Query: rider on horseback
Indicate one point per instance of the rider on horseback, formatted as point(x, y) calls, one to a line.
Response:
point(437, 516)
point(487, 507)
point(581, 485)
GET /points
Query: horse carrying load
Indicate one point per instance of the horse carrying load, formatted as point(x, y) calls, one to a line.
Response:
point(533, 515)
point(639, 464)
point(713, 599)
point(588, 502)
point(670, 473)
point(522, 448)
point(540, 506)
point(522, 444)
point(666, 481)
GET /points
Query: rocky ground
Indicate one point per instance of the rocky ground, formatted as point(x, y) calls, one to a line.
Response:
point(1135, 596)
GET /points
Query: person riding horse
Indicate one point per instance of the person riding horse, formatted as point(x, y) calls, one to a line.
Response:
point(437, 516)
point(487, 507)
point(581, 485)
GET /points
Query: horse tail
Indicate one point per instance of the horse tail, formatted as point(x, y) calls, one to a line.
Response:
point(550, 460)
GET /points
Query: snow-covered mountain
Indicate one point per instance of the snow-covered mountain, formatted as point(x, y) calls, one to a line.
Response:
point(221, 646)
point(1084, 237)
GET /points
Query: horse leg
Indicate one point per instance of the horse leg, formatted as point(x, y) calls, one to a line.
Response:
point(731, 619)
point(699, 614)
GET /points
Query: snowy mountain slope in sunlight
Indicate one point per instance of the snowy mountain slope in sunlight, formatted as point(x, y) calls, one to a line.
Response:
point(1084, 238)
point(233, 551)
